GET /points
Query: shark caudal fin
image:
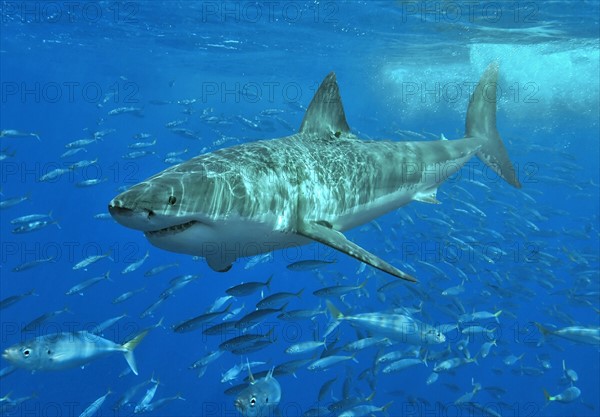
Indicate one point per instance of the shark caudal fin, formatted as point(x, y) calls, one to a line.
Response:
point(481, 124)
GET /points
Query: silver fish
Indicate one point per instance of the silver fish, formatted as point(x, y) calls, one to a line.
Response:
point(58, 351)
point(260, 398)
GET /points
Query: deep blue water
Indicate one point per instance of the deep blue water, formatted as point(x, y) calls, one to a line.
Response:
point(404, 70)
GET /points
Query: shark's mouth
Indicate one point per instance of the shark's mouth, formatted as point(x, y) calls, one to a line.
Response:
point(171, 230)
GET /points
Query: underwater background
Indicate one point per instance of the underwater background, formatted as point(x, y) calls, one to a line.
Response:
point(200, 76)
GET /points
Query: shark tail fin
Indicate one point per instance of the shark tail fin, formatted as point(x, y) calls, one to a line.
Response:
point(129, 346)
point(481, 124)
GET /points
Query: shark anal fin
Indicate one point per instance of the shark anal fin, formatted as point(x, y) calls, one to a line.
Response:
point(338, 241)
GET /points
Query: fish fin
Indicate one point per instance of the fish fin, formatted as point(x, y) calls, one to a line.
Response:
point(328, 236)
point(129, 346)
point(268, 283)
point(335, 313)
point(481, 124)
point(427, 197)
point(325, 112)
point(385, 407)
point(250, 376)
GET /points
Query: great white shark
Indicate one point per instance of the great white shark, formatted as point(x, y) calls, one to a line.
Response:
point(311, 186)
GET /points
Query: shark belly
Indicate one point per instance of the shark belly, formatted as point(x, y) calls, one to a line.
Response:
point(222, 242)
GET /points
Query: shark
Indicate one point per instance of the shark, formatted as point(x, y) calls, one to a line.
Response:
point(311, 186)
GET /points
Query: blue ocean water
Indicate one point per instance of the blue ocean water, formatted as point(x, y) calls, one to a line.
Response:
point(405, 71)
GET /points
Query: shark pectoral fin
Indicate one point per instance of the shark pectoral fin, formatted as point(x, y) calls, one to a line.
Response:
point(427, 197)
point(332, 238)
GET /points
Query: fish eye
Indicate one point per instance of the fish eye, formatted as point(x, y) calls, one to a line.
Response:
point(172, 200)
point(49, 352)
point(252, 402)
point(26, 352)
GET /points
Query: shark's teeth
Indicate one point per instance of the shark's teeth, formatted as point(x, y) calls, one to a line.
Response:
point(171, 229)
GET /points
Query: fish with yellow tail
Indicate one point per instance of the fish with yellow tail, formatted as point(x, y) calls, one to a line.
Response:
point(567, 396)
point(58, 351)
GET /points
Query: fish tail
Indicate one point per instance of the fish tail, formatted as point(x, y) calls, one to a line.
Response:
point(335, 313)
point(268, 283)
point(299, 293)
point(497, 314)
point(385, 407)
point(543, 330)
point(130, 346)
point(481, 124)
point(547, 395)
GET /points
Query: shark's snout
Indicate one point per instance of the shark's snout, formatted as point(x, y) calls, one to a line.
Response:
point(135, 218)
point(117, 210)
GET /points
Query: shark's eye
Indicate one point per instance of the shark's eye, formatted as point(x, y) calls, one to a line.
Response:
point(172, 200)
point(252, 402)
point(26, 352)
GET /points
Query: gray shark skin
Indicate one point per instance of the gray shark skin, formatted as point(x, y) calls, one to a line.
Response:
point(311, 186)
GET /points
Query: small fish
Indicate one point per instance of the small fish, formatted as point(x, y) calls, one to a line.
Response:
point(72, 151)
point(327, 361)
point(248, 288)
point(135, 265)
point(304, 347)
point(31, 218)
point(162, 402)
point(147, 398)
point(79, 288)
point(136, 111)
point(512, 359)
point(44, 317)
point(148, 311)
point(80, 143)
point(33, 226)
point(8, 301)
point(127, 295)
point(325, 388)
point(83, 164)
point(129, 394)
point(161, 268)
point(90, 182)
point(90, 260)
point(139, 145)
point(580, 334)
point(567, 396)
point(403, 364)
point(99, 328)
point(260, 398)
point(309, 265)
point(195, 322)
point(95, 406)
point(137, 154)
point(32, 264)
point(13, 133)
point(13, 201)
point(277, 298)
point(338, 290)
point(58, 351)
point(256, 316)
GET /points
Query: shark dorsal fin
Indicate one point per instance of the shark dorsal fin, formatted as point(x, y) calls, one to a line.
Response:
point(325, 112)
